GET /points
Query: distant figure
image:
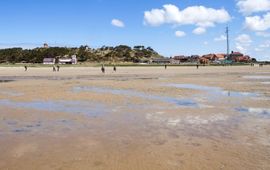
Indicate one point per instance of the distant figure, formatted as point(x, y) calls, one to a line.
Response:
point(261, 65)
point(58, 68)
point(229, 93)
point(25, 68)
point(103, 69)
point(197, 66)
point(165, 66)
point(114, 68)
point(54, 70)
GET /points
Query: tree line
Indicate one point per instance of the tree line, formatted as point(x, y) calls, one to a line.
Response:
point(121, 53)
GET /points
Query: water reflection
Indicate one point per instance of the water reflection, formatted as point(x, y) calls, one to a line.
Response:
point(76, 107)
point(214, 91)
point(259, 112)
point(133, 93)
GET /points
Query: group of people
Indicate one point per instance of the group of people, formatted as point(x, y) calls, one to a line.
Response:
point(55, 68)
point(103, 69)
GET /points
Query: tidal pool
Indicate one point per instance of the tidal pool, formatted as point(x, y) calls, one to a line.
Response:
point(214, 92)
point(133, 93)
point(258, 112)
point(74, 107)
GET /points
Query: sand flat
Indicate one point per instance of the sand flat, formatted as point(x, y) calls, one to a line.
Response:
point(136, 118)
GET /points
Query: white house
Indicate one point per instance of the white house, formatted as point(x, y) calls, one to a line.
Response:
point(72, 60)
point(49, 61)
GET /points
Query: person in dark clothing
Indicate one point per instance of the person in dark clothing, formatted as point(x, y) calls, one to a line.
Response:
point(114, 68)
point(103, 69)
point(58, 68)
point(165, 66)
point(25, 68)
point(197, 66)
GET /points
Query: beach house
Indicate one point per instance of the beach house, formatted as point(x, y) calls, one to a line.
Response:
point(49, 61)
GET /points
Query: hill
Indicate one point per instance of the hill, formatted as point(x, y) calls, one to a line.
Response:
point(121, 53)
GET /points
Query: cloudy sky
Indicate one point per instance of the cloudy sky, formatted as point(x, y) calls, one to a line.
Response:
point(172, 27)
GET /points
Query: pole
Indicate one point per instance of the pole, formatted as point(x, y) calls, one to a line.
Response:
point(228, 43)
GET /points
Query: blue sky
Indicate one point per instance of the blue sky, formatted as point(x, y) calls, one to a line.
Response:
point(171, 27)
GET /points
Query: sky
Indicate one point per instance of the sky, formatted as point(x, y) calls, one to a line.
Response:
point(171, 27)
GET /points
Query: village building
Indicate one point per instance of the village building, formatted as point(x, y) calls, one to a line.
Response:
point(239, 57)
point(194, 58)
point(220, 57)
point(45, 45)
point(212, 58)
point(181, 58)
point(68, 60)
point(49, 61)
point(204, 60)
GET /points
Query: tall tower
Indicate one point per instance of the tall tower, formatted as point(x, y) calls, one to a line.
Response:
point(45, 45)
point(228, 42)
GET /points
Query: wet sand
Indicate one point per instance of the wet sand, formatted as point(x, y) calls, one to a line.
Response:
point(137, 118)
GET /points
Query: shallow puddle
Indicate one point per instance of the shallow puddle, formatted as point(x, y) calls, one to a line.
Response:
point(258, 112)
point(133, 93)
point(186, 119)
point(214, 92)
point(76, 107)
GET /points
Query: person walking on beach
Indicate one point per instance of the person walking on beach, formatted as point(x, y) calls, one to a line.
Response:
point(25, 68)
point(54, 70)
point(58, 68)
point(197, 66)
point(165, 66)
point(103, 69)
point(114, 68)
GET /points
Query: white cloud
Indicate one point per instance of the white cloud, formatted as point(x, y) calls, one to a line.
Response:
point(221, 38)
point(194, 15)
point(243, 42)
point(258, 49)
point(243, 39)
point(263, 34)
point(118, 23)
point(241, 48)
point(199, 30)
point(180, 34)
point(248, 7)
point(205, 42)
point(257, 23)
point(266, 44)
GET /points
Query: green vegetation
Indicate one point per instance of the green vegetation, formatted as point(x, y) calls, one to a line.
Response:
point(121, 53)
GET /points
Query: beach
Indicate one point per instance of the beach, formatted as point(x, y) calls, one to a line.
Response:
point(143, 118)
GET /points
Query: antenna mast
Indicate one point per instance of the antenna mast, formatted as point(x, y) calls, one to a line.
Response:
point(228, 42)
